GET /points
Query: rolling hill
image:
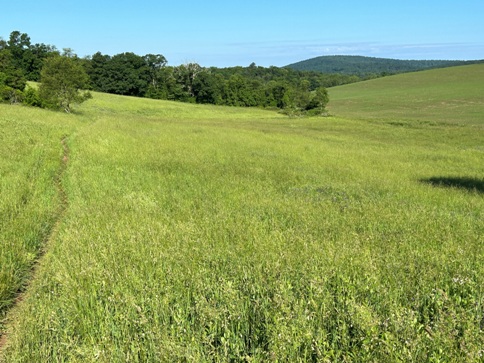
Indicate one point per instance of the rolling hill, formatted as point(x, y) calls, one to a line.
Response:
point(363, 66)
point(451, 95)
point(172, 232)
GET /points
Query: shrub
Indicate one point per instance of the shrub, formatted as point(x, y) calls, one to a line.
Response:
point(10, 94)
point(32, 98)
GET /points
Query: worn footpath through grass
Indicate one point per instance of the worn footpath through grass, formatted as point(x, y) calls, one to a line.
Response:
point(31, 149)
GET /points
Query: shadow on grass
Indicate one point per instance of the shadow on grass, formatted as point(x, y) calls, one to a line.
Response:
point(471, 184)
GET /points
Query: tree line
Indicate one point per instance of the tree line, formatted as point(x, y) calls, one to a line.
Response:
point(294, 92)
point(253, 86)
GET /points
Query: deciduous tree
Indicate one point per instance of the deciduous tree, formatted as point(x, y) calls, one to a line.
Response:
point(154, 62)
point(12, 79)
point(319, 101)
point(62, 80)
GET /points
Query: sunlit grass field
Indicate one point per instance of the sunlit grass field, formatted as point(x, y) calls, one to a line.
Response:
point(197, 233)
point(453, 96)
point(30, 143)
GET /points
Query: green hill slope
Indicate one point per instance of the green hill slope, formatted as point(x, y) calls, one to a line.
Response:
point(362, 66)
point(452, 95)
point(196, 233)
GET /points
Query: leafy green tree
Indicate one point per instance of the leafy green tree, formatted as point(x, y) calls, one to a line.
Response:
point(27, 58)
point(207, 88)
point(301, 96)
point(18, 43)
point(124, 74)
point(154, 63)
point(167, 86)
point(31, 97)
point(185, 75)
point(235, 90)
point(12, 79)
point(277, 94)
point(33, 59)
point(62, 79)
point(319, 101)
point(10, 75)
point(96, 68)
point(10, 94)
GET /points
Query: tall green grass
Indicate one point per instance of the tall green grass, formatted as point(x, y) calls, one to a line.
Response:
point(204, 234)
point(30, 156)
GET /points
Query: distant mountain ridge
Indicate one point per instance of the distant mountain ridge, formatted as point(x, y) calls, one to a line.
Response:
point(364, 66)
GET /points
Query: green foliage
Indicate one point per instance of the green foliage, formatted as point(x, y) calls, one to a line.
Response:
point(148, 76)
point(269, 87)
point(369, 67)
point(208, 88)
point(10, 76)
point(28, 58)
point(31, 97)
point(185, 76)
point(318, 101)
point(62, 80)
point(12, 81)
point(18, 44)
point(124, 74)
point(34, 59)
point(10, 94)
point(154, 62)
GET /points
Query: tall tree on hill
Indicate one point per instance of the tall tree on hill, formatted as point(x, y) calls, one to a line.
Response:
point(128, 74)
point(26, 57)
point(62, 80)
point(18, 43)
point(154, 63)
point(318, 101)
point(185, 75)
point(208, 88)
point(19, 47)
point(96, 68)
point(12, 79)
point(33, 59)
point(123, 74)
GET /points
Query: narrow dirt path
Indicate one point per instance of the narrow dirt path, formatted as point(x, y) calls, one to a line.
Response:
point(63, 204)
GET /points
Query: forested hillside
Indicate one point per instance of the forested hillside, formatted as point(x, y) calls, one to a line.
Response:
point(368, 66)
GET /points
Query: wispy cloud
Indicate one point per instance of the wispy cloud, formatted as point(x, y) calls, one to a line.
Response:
point(281, 53)
point(287, 52)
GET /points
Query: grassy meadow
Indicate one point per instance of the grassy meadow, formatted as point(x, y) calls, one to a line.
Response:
point(197, 233)
point(31, 151)
point(441, 95)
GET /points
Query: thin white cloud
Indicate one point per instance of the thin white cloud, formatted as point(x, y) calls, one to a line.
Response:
point(295, 51)
point(281, 53)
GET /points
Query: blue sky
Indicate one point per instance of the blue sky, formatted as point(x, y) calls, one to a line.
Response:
point(232, 32)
